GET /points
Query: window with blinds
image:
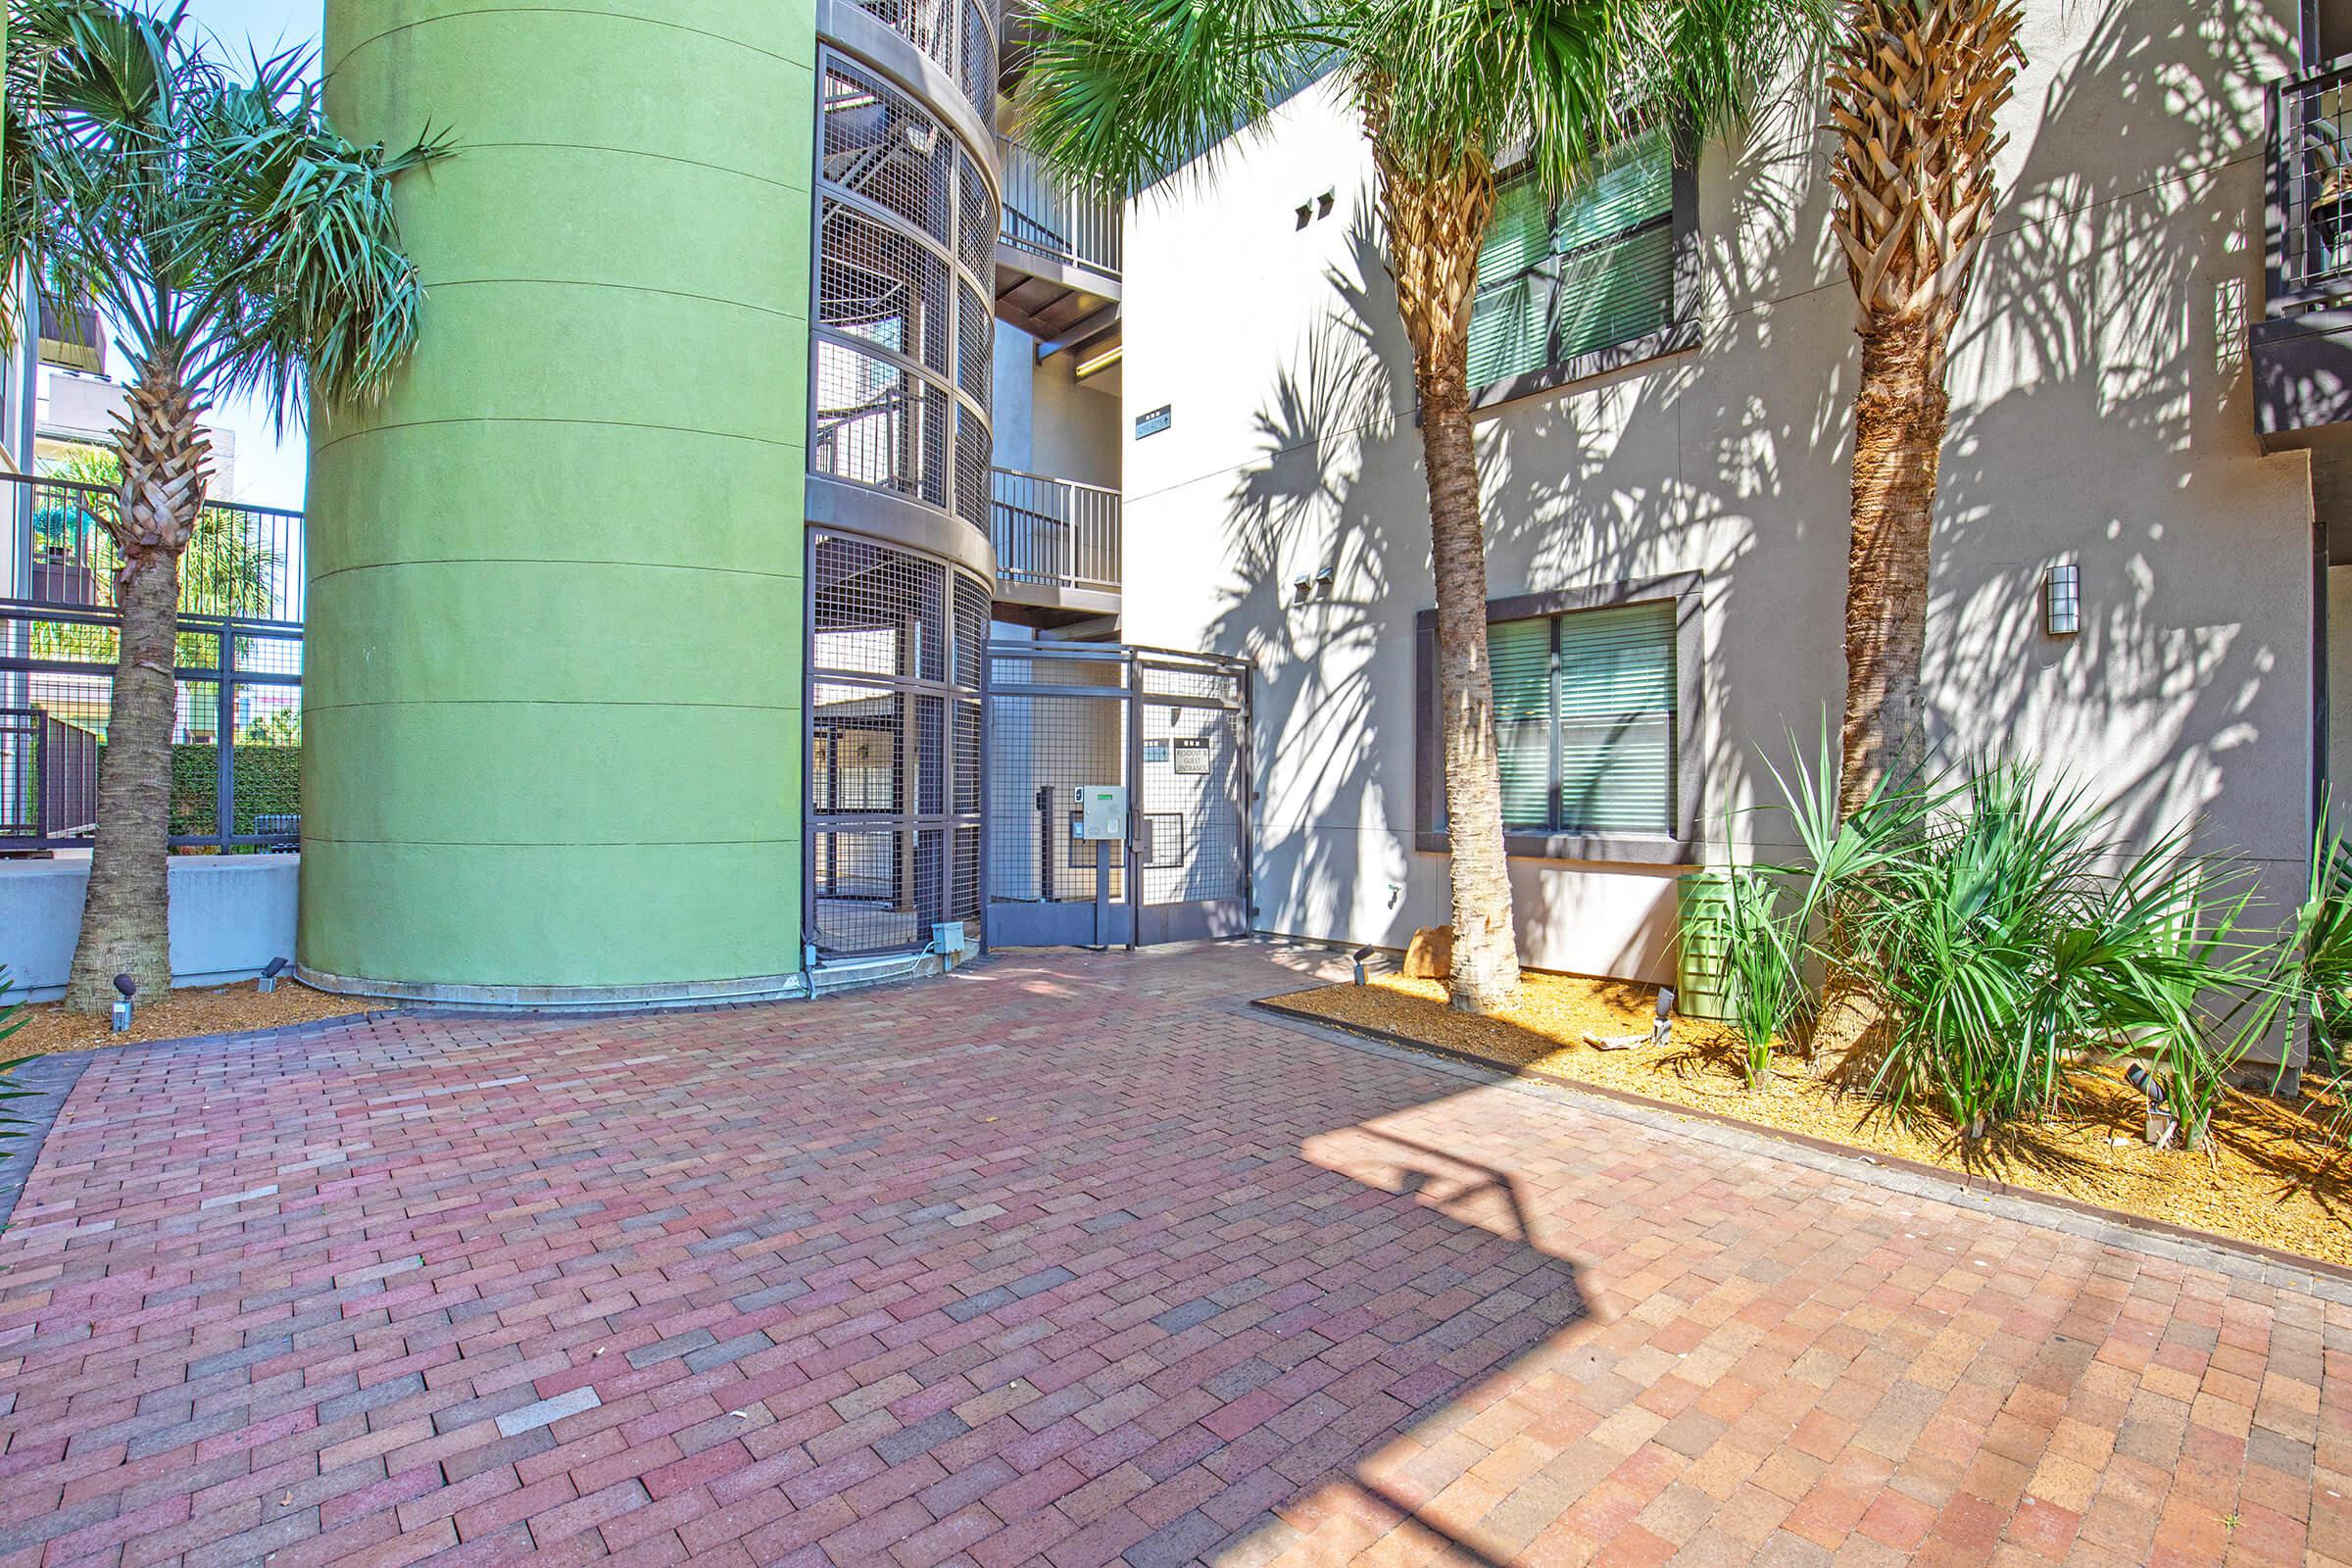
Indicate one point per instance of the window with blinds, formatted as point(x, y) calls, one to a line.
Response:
point(1585, 717)
point(1556, 279)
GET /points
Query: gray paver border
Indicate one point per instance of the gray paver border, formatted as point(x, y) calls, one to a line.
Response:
point(51, 1079)
point(2223, 1255)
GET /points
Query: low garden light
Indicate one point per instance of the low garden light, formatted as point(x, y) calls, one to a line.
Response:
point(2163, 1126)
point(125, 988)
point(2062, 600)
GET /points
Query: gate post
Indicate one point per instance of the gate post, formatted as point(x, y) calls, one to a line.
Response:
point(1135, 799)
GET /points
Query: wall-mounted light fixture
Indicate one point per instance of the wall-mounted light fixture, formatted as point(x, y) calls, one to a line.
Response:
point(1101, 361)
point(1323, 583)
point(2062, 600)
point(1303, 588)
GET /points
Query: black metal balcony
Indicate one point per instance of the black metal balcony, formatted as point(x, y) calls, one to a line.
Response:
point(2303, 343)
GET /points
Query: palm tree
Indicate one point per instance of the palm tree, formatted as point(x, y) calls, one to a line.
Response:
point(1120, 90)
point(1914, 90)
point(239, 244)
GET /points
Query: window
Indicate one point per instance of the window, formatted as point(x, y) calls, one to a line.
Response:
point(1594, 691)
point(1584, 714)
point(1561, 280)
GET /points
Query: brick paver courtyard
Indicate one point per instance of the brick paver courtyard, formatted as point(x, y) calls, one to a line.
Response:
point(1069, 1257)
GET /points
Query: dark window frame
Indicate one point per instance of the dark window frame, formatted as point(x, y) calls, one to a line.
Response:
point(1678, 335)
point(1682, 845)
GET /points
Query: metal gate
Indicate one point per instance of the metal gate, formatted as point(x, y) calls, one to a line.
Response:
point(1169, 729)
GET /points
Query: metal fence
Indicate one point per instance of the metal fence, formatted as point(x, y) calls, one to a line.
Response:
point(1171, 731)
point(2310, 187)
point(1042, 216)
point(236, 742)
point(1055, 533)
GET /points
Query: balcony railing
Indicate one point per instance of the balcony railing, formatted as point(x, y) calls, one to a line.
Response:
point(2311, 188)
point(1054, 533)
point(1043, 217)
point(244, 562)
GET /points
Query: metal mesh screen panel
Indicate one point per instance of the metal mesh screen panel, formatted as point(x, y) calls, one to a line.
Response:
point(975, 363)
point(899, 330)
point(883, 287)
point(879, 143)
point(1191, 820)
point(979, 62)
point(2315, 185)
point(975, 220)
point(973, 444)
point(928, 25)
point(877, 424)
point(894, 760)
point(972, 606)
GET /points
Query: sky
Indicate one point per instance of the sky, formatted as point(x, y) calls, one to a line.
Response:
point(269, 471)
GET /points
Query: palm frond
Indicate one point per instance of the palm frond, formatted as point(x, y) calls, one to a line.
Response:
point(1120, 90)
point(232, 233)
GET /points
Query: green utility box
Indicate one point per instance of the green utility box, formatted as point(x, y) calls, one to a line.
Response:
point(1702, 990)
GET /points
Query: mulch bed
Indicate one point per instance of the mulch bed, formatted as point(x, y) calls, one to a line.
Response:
point(207, 1010)
point(2271, 1176)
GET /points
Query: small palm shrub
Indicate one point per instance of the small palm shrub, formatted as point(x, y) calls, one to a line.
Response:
point(2016, 942)
point(2007, 941)
point(1763, 959)
point(1770, 914)
point(12, 1019)
point(2314, 975)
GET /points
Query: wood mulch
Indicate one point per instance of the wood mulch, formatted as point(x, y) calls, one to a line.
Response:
point(195, 1010)
point(2271, 1176)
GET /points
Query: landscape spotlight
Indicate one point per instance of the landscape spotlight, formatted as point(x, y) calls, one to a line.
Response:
point(1361, 953)
point(268, 980)
point(128, 987)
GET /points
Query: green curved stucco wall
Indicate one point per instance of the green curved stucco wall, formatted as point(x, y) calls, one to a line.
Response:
point(553, 701)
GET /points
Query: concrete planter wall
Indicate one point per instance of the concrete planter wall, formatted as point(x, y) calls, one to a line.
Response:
point(230, 915)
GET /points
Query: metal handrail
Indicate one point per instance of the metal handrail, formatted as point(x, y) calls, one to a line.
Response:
point(245, 562)
point(1044, 216)
point(1055, 533)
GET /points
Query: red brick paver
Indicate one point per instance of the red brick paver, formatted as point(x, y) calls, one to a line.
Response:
point(1068, 1259)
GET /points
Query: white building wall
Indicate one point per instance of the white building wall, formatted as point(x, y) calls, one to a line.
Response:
point(2101, 414)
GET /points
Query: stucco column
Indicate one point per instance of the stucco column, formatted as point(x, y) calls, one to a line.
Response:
point(553, 707)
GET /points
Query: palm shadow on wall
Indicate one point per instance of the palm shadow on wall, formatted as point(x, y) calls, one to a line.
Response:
point(2133, 223)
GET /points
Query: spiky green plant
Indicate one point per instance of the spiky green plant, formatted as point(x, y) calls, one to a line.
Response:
point(12, 1019)
point(2007, 941)
point(1451, 93)
point(1769, 924)
point(238, 243)
point(2016, 942)
point(2312, 979)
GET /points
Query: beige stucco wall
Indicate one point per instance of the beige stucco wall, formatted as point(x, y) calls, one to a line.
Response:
point(2101, 414)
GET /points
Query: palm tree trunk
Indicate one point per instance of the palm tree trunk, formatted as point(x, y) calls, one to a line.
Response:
point(1435, 229)
point(1486, 949)
point(1900, 412)
point(126, 916)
